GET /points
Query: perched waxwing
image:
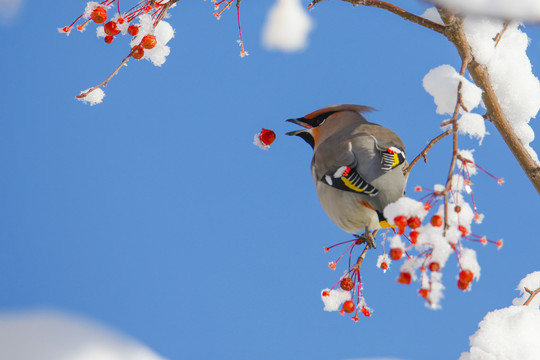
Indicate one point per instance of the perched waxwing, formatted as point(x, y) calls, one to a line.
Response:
point(357, 165)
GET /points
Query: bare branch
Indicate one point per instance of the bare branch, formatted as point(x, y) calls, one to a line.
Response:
point(103, 83)
point(532, 295)
point(424, 152)
point(454, 32)
point(396, 10)
point(498, 37)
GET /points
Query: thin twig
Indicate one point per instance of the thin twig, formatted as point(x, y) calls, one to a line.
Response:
point(532, 295)
point(396, 10)
point(455, 150)
point(498, 37)
point(424, 152)
point(360, 259)
point(103, 83)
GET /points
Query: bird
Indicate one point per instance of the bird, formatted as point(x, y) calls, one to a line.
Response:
point(357, 166)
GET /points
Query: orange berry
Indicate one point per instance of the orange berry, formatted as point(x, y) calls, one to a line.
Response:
point(434, 266)
point(404, 278)
point(396, 253)
point(348, 306)
point(347, 284)
point(133, 30)
point(384, 265)
point(466, 276)
point(414, 222)
point(365, 311)
point(148, 42)
point(326, 293)
point(99, 14)
point(463, 285)
point(436, 221)
point(267, 136)
point(111, 28)
point(457, 208)
point(138, 53)
point(400, 221)
point(414, 236)
point(427, 206)
point(424, 293)
point(463, 230)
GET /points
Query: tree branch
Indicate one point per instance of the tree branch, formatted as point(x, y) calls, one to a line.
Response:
point(454, 32)
point(424, 152)
point(396, 10)
point(532, 295)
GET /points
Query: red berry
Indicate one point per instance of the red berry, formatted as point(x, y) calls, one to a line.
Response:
point(138, 53)
point(348, 306)
point(109, 39)
point(111, 28)
point(404, 278)
point(427, 206)
point(347, 284)
point(424, 293)
point(463, 230)
point(148, 42)
point(414, 222)
point(414, 236)
point(457, 208)
point(436, 220)
point(434, 266)
point(120, 20)
point(365, 312)
point(463, 285)
point(384, 265)
point(466, 276)
point(400, 221)
point(133, 30)
point(267, 136)
point(396, 253)
point(99, 14)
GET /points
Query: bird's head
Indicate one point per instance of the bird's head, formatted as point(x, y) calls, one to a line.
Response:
point(324, 122)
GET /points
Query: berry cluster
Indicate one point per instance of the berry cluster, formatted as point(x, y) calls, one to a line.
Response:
point(351, 281)
point(422, 241)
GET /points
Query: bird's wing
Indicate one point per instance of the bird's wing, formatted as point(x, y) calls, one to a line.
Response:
point(391, 157)
point(388, 144)
point(344, 176)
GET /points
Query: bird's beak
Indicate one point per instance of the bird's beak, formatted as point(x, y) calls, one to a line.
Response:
point(298, 122)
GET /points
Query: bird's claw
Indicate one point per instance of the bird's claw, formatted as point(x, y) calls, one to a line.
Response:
point(368, 239)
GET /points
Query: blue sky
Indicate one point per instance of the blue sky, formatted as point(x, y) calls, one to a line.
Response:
point(155, 214)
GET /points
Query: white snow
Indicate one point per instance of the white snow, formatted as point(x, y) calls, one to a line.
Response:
point(95, 97)
point(468, 262)
point(510, 71)
point(287, 26)
point(336, 297)
point(257, 142)
point(404, 206)
point(396, 242)
point(52, 335)
point(442, 83)
point(383, 258)
point(473, 125)
point(163, 32)
point(531, 282)
point(518, 9)
point(435, 294)
point(511, 333)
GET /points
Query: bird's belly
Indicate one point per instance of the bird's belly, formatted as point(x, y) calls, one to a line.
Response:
point(346, 210)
